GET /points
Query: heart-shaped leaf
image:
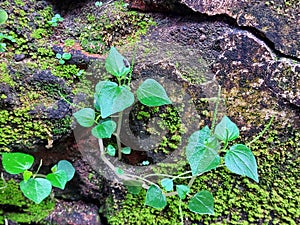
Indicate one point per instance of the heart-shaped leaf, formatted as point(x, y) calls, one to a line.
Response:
point(202, 203)
point(58, 179)
point(201, 154)
point(226, 130)
point(111, 98)
point(116, 64)
point(67, 167)
point(126, 150)
point(240, 160)
point(85, 117)
point(167, 184)
point(16, 162)
point(105, 129)
point(3, 16)
point(36, 189)
point(26, 175)
point(182, 190)
point(133, 186)
point(111, 150)
point(151, 93)
point(155, 198)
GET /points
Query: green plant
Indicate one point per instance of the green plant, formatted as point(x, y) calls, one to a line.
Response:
point(55, 19)
point(35, 186)
point(98, 4)
point(3, 18)
point(63, 57)
point(207, 149)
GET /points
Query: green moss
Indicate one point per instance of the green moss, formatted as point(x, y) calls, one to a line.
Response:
point(115, 26)
point(15, 207)
point(5, 76)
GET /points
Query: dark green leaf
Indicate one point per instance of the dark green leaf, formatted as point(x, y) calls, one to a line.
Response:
point(201, 154)
point(126, 150)
point(202, 203)
point(111, 150)
point(58, 179)
point(111, 98)
point(151, 93)
point(116, 64)
point(67, 167)
point(182, 190)
point(105, 129)
point(226, 130)
point(133, 186)
point(240, 160)
point(85, 117)
point(36, 189)
point(17, 162)
point(155, 198)
point(167, 184)
point(66, 56)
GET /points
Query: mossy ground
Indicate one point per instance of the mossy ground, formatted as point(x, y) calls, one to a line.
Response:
point(15, 207)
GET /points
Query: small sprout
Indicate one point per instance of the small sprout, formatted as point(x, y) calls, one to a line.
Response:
point(63, 57)
point(3, 16)
point(55, 19)
point(98, 4)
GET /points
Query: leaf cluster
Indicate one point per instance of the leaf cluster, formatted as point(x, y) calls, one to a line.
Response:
point(63, 57)
point(55, 19)
point(36, 186)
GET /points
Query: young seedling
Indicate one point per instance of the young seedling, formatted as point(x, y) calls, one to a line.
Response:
point(55, 19)
point(98, 4)
point(63, 57)
point(207, 149)
point(37, 186)
point(3, 16)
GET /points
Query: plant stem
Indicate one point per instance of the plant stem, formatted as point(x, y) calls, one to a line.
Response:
point(180, 212)
point(262, 132)
point(36, 173)
point(132, 64)
point(216, 111)
point(118, 135)
point(4, 182)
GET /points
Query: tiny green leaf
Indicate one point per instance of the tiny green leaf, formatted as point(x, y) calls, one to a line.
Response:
point(151, 93)
point(119, 171)
point(240, 160)
point(67, 167)
point(226, 130)
point(133, 186)
point(66, 56)
point(85, 117)
point(202, 203)
point(111, 150)
point(58, 55)
point(116, 64)
point(126, 150)
point(3, 16)
point(111, 98)
point(36, 189)
point(54, 169)
point(61, 61)
point(105, 129)
point(26, 175)
point(167, 184)
point(17, 162)
point(58, 179)
point(155, 198)
point(182, 190)
point(201, 154)
point(145, 163)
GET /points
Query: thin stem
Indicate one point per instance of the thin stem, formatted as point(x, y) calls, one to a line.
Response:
point(36, 173)
point(4, 182)
point(192, 181)
point(118, 135)
point(216, 110)
point(132, 64)
point(180, 212)
point(67, 101)
point(262, 132)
